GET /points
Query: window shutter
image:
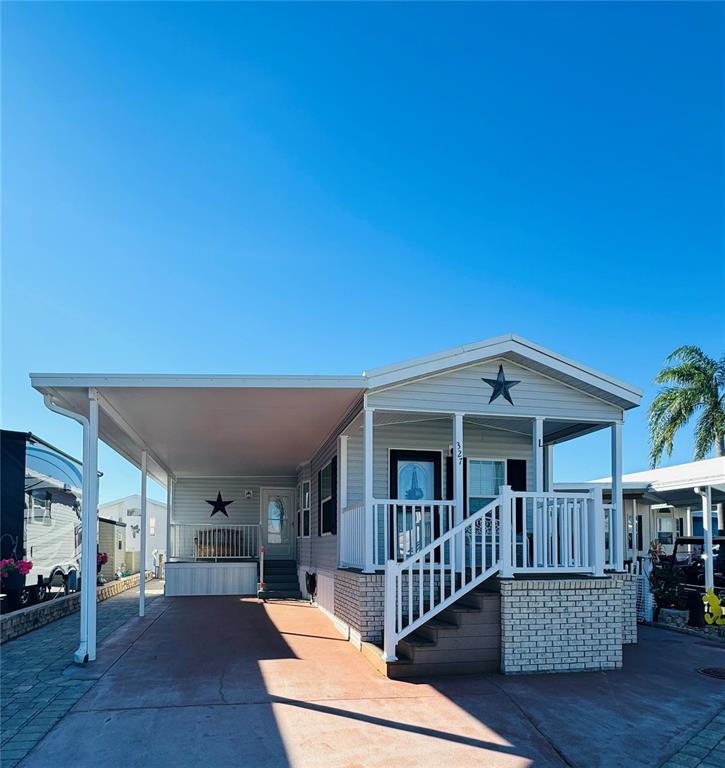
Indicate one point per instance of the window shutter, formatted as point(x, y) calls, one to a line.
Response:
point(516, 478)
point(333, 504)
point(319, 503)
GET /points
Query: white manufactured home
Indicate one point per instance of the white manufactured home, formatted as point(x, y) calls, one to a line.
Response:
point(414, 503)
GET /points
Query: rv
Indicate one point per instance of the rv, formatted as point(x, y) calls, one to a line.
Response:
point(40, 519)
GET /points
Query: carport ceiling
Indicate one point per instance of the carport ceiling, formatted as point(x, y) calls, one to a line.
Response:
point(217, 430)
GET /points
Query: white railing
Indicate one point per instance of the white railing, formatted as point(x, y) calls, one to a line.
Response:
point(395, 529)
point(441, 572)
point(517, 533)
point(214, 542)
point(352, 536)
point(552, 532)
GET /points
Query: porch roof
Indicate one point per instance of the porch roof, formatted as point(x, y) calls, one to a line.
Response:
point(210, 425)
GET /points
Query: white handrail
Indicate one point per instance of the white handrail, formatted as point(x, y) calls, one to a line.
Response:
point(454, 563)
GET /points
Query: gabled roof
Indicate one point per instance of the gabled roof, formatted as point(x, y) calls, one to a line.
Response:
point(518, 350)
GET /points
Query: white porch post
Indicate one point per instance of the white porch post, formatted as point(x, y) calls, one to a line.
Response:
point(549, 468)
point(142, 575)
point(537, 452)
point(458, 482)
point(617, 519)
point(89, 541)
point(369, 565)
point(169, 509)
point(506, 545)
point(707, 531)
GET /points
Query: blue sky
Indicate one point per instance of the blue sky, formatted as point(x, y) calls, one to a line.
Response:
point(241, 188)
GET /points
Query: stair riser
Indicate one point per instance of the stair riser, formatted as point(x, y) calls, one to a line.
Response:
point(483, 602)
point(447, 656)
point(467, 630)
point(410, 671)
point(470, 619)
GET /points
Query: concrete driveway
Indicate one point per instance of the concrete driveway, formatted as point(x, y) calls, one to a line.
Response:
point(231, 682)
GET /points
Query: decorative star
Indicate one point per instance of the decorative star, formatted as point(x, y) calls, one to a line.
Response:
point(500, 386)
point(219, 505)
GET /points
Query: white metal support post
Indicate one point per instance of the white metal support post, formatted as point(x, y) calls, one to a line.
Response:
point(389, 612)
point(617, 518)
point(549, 468)
point(706, 496)
point(342, 490)
point(142, 576)
point(89, 523)
point(537, 451)
point(368, 543)
point(458, 486)
point(169, 509)
point(89, 538)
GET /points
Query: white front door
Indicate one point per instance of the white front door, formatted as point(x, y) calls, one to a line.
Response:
point(278, 519)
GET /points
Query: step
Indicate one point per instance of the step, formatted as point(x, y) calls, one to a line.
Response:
point(405, 670)
point(463, 615)
point(422, 654)
point(277, 594)
point(275, 577)
point(282, 586)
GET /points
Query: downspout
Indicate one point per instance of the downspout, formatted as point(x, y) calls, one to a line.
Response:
point(81, 655)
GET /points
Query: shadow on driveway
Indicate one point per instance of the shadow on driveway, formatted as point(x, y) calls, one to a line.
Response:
point(228, 681)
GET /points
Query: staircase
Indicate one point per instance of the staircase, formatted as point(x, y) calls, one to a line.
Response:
point(280, 580)
point(463, 638)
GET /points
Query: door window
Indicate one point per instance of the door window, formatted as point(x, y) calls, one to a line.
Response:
point(275, 520)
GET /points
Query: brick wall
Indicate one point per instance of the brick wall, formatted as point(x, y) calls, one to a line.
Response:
point(25, 620)
point(628, 584)
point(359, 603)
point(560, 625)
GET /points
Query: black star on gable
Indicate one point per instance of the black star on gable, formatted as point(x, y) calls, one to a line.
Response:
point(500, 386)
point(219, 505)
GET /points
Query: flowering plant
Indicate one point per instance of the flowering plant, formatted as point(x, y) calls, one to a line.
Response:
point(101, 558)
point(11, 565)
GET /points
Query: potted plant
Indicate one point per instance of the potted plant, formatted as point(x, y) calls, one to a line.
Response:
point(101, 560)
point(667, 585)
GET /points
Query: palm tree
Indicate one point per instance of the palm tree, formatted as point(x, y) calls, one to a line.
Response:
point(692, 383)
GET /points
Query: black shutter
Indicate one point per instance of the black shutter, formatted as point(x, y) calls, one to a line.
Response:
point(319, 503)
point(516, 478)
point(333, 504)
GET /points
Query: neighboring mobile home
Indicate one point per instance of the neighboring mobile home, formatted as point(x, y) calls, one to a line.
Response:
point(415, 500)
point(128, 510)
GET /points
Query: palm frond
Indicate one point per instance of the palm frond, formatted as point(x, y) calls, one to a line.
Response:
point(669, 412)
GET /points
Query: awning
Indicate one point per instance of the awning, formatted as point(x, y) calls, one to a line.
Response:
point(211, 426)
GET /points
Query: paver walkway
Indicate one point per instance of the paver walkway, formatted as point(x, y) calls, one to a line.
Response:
point(34, 690)
point(705, 750)
point(231, 682)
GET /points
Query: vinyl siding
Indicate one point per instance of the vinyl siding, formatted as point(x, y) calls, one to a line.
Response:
point(463, 390)
point(435, 435)
point(191, 493)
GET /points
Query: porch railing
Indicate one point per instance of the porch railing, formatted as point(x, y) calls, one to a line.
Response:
point(610, 556)
point(214, 542)
point(397, 529)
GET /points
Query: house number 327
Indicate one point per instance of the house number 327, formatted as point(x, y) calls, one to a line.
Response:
point(459, 452)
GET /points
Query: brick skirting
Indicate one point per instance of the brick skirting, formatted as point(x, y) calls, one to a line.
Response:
point(25, 620)
point(561, 625)
point(359, 603)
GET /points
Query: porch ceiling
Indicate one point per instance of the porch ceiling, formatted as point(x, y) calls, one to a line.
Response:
point(216, 430)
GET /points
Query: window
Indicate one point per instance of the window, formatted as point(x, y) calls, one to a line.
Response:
point(485, 477)
point(152, 526)
point(327, 502)
point(40, 507)
point(303, 509)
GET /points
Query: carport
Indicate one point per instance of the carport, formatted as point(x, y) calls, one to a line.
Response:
point(171, 426)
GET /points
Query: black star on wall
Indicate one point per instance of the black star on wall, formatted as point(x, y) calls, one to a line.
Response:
point(219, 505)
point(500, 386)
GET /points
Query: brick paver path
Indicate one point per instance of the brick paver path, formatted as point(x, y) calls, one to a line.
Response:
point(705, 750)
point(34, 692)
